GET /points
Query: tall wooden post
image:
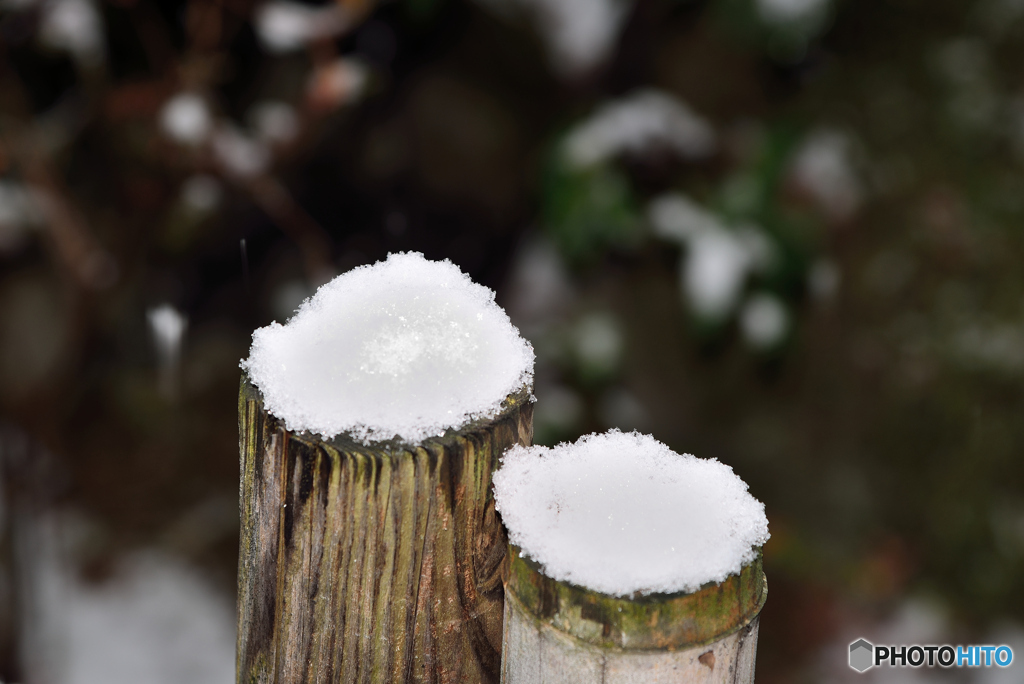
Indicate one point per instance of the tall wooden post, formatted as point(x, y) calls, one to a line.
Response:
point(559, 633)
point(371, 563)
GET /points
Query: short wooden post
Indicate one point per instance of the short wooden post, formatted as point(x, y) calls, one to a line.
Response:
point(371, 564)
point(559, 633)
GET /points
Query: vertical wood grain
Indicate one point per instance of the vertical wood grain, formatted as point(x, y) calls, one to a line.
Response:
point(371, 564)
point(560, 633)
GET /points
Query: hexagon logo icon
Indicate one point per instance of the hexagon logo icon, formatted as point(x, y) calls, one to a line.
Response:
point(862, 655)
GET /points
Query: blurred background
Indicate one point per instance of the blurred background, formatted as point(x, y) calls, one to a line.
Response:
point(786, 234)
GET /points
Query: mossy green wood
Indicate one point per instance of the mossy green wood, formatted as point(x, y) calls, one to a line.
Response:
point(653, 621)
point(560, 633)
point(374, 563)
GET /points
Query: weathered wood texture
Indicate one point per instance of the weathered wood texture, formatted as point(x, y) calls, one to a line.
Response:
point(371, 564)
point(558, 633)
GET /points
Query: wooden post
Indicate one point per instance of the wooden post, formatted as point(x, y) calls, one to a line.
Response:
point(371, 563)
point(559, 633)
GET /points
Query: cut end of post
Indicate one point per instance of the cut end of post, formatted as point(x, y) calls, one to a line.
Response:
point(404, 349)
point(656, 622)
point(622, 514)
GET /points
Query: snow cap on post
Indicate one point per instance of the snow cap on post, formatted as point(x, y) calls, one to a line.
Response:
point(621, 513)
point(406, 348)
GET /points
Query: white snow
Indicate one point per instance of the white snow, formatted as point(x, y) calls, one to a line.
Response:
point(714, 273)
point(186, 119)
point(678, 218)
point(764, 321)
point(159, 623)
point(643, 121)
point(717, 260)
point(824, 169)
point(406, 347)
point(20, 207)
point(154, 620)
point(285, 26)
point(621, 513)
point(578, 34)
point(168, 326)
point(75, 26)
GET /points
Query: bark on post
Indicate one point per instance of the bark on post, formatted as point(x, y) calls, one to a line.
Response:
point(371, 564)
point(558, 633)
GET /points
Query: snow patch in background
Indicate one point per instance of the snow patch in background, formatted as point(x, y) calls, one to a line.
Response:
point(156, 620)
point(579, 35)
point(21, 210)
point(823, 168)
point(643, 121)
point(186, 119)
point(406, 347)
point(717, 260)
point(1012, 635)
point(621, 512)
point(915, 620)
point(764, 321)
point(168, 327)
point(75, 26)
point(285, 26)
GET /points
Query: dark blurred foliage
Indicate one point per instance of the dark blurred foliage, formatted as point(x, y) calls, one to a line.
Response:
point(865, 379)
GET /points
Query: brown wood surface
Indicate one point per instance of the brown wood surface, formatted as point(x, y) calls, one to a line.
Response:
point(371, 564)
point(560, 633)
